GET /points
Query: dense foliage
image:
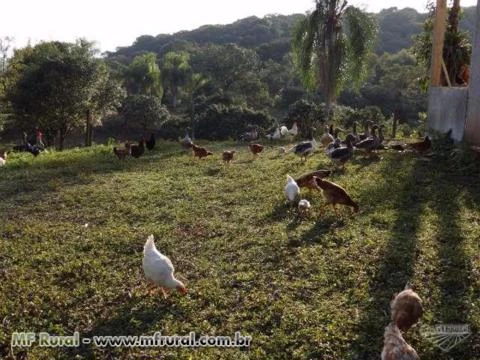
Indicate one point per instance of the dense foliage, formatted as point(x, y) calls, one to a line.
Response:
point(235, 70)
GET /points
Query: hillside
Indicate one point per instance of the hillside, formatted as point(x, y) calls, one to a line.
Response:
point(396, 28)
point(74, 224)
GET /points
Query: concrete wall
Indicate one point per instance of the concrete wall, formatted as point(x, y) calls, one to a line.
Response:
point(472, 129)
point(447, 109)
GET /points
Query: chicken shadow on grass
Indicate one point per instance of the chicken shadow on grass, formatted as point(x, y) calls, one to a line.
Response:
point(132, 317)
point(412, 195)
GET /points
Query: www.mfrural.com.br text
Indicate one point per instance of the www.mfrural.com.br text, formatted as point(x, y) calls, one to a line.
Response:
point(44, 339)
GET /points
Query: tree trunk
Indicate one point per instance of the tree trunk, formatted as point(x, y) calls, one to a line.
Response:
point(394, 126)
point(88, 129)
point(61, 134)
point(174, 100)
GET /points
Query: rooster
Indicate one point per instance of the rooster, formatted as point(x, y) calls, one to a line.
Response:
point(138, 150)
point(159, 269)
point(228, 156)
point(256, 148)
point(334, 194)
point(122, 153)
point(150, 143)
point(395, 347)
point(200, 152)
point(292, 190)
point(294, 130)
point(406, 309)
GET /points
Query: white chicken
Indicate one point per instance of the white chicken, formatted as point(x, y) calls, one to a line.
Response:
point(276, 135)
point(304, 207)
point(159, 269)
point(294, 130)
point(3, 158)
point(284, 131)
point(291, 189)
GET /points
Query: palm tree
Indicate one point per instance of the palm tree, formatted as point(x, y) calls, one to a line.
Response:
point(143, 77)
point(176, 69)
point(331, 46)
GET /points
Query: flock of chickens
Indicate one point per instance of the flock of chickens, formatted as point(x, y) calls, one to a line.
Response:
point(406, 307)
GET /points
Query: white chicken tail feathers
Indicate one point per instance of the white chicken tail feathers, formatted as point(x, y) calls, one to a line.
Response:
point(290, 179)
point(150, 244)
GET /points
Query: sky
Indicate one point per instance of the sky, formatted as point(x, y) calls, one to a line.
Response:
point(119, 23)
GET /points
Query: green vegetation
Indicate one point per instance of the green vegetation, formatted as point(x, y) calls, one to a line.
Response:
point(313, 288)
point(331, 46)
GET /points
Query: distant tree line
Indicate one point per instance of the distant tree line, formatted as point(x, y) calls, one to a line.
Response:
point(218, 81)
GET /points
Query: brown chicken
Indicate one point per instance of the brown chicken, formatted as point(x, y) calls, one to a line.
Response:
point(228, 156)
point(395, 347)
point(335, 194)
point(122, 153)
point(256, 148)
point(308, 180)
point(406, 309)
point(421, 146)
point(200, 152)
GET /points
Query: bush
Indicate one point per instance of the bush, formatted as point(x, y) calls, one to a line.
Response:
point(174, 128)
point(220, 122)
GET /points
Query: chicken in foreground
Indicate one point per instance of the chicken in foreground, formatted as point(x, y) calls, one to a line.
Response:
point(122, 153)
point(256, 148)
point(395, 347)
point(304, 207)
point(291, 189)
point(334, 194)
point(406, 309)
point(159, 269)
point(228, 156)
point(309, 180)
point(200, 152)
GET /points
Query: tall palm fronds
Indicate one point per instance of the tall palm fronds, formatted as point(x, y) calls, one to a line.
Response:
point(331, 45)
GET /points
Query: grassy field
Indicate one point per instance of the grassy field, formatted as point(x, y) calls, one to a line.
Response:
point(316, 288)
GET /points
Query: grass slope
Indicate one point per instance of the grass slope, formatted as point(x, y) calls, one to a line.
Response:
point(312, 289)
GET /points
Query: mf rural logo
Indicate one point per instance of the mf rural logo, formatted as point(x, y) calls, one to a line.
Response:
point(446, 337)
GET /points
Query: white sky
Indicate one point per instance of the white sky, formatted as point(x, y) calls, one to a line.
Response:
point(118, 23)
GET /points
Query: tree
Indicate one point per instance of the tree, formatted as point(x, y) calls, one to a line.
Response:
point(107, 97)
point(5, 45)
point(143, 76)
point(457, 48)
point(331, 46)
point(144, 111)
point(176, 70)
point(53, 85)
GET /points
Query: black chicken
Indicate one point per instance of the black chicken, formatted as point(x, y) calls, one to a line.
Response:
point(138, 150)
point(150, 143)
